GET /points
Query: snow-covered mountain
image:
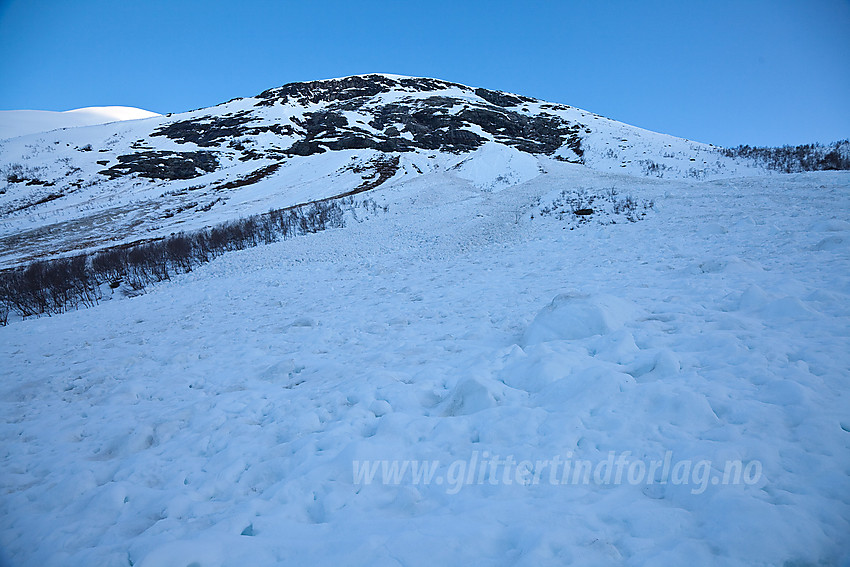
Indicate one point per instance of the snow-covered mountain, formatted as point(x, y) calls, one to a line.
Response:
point(86, 188)
point(524, 347)
point(15, 123)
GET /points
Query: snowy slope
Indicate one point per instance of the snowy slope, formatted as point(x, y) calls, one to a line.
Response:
point(467, 373)
point(89, 188)
point(15, 123)
point(218, 419)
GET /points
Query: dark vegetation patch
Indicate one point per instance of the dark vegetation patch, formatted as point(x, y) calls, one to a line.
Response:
point(653, 168)
point(795, 159)
point(40, 182)
point(17, 173)
point(168, 213)
point(249, 179)
point(47, 287)
point(45, 199)
point(577, 207)
point(15, 177)
point(574, 142)
point(58, 285)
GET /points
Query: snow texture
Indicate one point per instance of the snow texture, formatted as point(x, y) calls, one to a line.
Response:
point(215, 420)
point(493, 167)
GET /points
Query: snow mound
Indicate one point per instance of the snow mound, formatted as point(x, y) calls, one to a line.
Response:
point(832, 243)
point(471, 396)
point(188, 553)
point(14, 123)
point(494, 167)
point(829, 225)
point(577, 316)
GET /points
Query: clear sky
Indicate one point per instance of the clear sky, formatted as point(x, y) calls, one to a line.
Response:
point(723, 72)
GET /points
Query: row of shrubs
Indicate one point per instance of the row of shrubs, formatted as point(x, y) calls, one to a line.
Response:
point(58, 285)
point(794, 159)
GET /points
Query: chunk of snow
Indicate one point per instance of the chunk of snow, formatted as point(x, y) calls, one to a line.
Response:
point(578, 316)
point(494, 167)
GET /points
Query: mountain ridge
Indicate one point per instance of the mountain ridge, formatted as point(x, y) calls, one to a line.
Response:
point(89, 188)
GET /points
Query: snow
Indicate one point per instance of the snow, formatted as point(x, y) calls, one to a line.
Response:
point(572, 316)
point(61, 190)
point(217, 419)
point(14, 123)
point(493, 167)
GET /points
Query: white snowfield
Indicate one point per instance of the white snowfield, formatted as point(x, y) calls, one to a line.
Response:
point(667, 392)
point(14, 123)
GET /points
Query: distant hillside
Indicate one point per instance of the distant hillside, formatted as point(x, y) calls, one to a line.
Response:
point(15, 123)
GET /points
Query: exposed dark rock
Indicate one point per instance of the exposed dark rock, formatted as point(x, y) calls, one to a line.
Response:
point(278, 129)
point(502, 99)
point(250, 154)
point(408, 123)
point(432, 126)
point(347, 88)
point(163, 165)
point(574, 142)
point(552, 106)
point(325, 91)
point(207, 130)
point(543, 133)
point(306, 148)
point(417, 84)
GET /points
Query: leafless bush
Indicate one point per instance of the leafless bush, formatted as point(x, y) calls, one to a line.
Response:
point(581, 206)
point(55, 286)
point(794, 159)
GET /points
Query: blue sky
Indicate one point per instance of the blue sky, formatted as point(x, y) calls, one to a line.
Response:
point(724, 72)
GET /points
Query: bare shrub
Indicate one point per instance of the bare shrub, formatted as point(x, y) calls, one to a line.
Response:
point(54, 286)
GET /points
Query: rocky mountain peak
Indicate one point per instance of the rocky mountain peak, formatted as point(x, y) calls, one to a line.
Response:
point(385, 113)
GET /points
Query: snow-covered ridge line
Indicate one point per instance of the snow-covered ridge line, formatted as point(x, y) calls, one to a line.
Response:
point(14, 123)
point(92, 187)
